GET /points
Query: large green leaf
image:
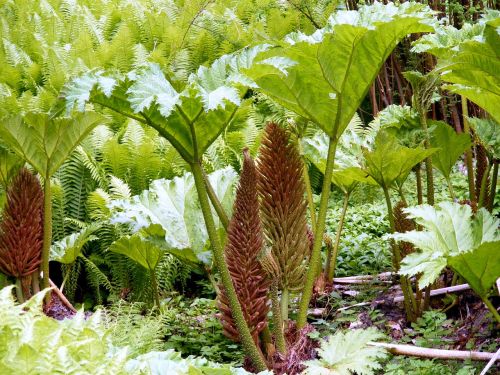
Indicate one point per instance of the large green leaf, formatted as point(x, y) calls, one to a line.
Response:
point(390, 162)
point(9, 165)
point(191, 119)
point(473, 70)
point(443, 43)
point(449, 231)
point(348, 179)
point(488, 132)
point(480, 267)
point(70, 247)
point(170, 208)
point(46, 142)
point(325, 76)
point(451, 145)
point(144, 252)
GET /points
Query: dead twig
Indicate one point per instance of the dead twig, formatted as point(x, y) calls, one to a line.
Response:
point(416, 351)
point(490, 363)
point(435, 292)
point(61, 296)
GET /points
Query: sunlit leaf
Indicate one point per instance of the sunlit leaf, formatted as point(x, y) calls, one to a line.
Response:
point(390, 162)
point(451, 144)
point(70, 247)
point(347, 353)
point(173, 207)
point(45, 143)
point(449, 231)
point(139, 250)
point(329, 73)
point(480, 267)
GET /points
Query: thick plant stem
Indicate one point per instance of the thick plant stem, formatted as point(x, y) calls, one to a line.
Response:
point(484, 185)
point(409, 298)
point(19, 291)
point(493, 186)
point(278, 329)
point(47, 233)
point(490, 307)
point(428, 163)
point(315, 261)
point(307, 183)
point(247, 341)
point(221, 213)
point(396, 254)
point(154, 285)
point(35, 282)
point(285, 297)
point(418, 176)
point(468, 153)
point(333, 261)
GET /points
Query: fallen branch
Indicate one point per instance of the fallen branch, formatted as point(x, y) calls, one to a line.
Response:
point(351, 279)
point(61, 296)
point(359, 281)
point(435, 292)
point(490, 363)
point(441, 291)
point(416, 351)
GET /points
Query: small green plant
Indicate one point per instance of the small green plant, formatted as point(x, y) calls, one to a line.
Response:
point(404, 366)
point(430, 329)
point(348, 353)
point(192, 328)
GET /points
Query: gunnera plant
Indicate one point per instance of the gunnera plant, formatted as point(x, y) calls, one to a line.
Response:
point(244, 244)
point(21, 232)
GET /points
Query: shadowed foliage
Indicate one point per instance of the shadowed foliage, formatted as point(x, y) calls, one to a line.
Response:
point(244, 243)
point(21, 230)
point(283, 207)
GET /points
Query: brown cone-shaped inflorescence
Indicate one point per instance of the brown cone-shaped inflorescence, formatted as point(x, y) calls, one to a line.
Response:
point(283, 207)
point(21, 228)
point(244, 244)
point(403, 224)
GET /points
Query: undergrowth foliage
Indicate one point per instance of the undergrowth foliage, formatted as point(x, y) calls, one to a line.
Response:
point(88, 344)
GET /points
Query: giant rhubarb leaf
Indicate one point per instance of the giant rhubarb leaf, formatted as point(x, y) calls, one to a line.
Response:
point(190, 118)
point(480, 267)
point(169, 214)
point(46, 142)
point(389, 161)
point(449, 231)
point(325, 76)
point(451, 146)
